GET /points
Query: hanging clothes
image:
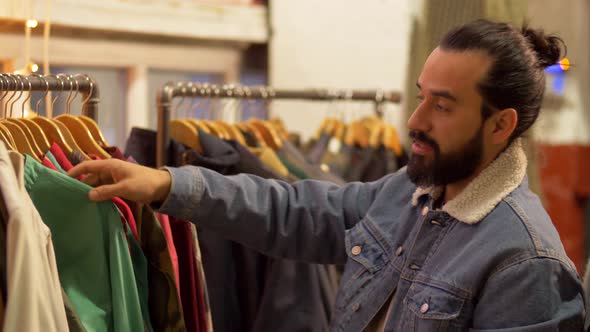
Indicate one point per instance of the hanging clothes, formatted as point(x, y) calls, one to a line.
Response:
point(258, 293)
point(94, 266)
point(160, 290)
point(34, 301)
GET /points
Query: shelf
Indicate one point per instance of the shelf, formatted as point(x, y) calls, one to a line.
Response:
point(180, 18)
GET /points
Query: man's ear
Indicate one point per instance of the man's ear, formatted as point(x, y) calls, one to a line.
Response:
point(504, 122)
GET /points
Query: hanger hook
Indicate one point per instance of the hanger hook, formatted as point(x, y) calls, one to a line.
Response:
point(264, 95)
point(188, 90)
point(206, 91)
point(182, 87)
point(216, 98)
point(22, 110)
point(196, 101)
point(22, 91)
point(7, 76)
point(200, 93)
point(61, 88)
point(44, 94)
point(71, 90)
point(16, 90)
point(91, 83)
point(75, 81)
point(3, 92)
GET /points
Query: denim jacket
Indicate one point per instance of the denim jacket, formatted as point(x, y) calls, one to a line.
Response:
point(488, 260)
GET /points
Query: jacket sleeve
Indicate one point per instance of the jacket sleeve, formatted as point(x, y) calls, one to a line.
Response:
point(539, 294)
point(302, 221)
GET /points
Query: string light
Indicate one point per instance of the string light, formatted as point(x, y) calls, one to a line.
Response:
point(32, 23)
point(564, 64)
point(34, 67)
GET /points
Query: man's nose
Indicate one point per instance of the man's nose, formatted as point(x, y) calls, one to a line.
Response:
point(420, 119)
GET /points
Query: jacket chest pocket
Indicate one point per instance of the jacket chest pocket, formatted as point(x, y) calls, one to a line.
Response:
point(368, 252)
point(429, 308)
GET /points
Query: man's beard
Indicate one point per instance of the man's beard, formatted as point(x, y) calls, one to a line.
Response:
point(448, 168)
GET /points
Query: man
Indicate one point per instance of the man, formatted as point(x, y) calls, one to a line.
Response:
point(456, 241)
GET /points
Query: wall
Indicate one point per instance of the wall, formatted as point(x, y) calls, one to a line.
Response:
point(563, 130)
point(338, 44)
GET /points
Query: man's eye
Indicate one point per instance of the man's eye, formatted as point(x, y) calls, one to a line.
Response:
point(440, 107)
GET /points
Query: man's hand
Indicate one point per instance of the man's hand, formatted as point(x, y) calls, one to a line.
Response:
point(117, 178)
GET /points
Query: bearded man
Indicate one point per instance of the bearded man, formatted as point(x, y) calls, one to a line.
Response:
point(454, 242)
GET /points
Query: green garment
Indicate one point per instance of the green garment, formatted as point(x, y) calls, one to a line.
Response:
point(293, 169)
point(93, 259)
point(141, 278)
point(51, 158)
point(74, 322)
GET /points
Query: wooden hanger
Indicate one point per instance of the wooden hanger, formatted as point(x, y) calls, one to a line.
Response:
point(376, 137)
point(94, 130)
point(21, 141)
point(88, 121)
point(248, 128)
point(8, 113)
point(270, 136)
point(22, 144)
point(62, 129)
point(27, 132)
point(357, 134)
point(233, 132)
point(7, 137)
point(79, 130)
point(186, 134)
point(280, 127)
point(38, 136)
point(339, 130)
point(391, 140)
point(49, 129)
point(197, 124)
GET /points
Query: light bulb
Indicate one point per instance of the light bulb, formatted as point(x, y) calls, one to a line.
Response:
point(34, 68)
point(32, 23)
point(564, 64)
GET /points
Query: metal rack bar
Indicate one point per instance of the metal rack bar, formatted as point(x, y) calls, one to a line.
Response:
point(85, 85)
point(193, 90)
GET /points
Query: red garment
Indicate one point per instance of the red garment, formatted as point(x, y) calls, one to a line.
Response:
point(47, 163)
point(63, 161)
point(128, 215)
point(165, 223)
point(115, 152)
point(191, 292)
point(60, 156)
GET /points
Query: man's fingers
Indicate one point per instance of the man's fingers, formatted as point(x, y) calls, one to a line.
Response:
point(91, 166)
point(92, 180)
point(107, 192)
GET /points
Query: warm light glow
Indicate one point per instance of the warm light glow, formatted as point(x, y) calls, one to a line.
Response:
point(34, 68)
point(31, 23)
point(564, 64)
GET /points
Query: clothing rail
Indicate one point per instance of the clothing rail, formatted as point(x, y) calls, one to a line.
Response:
point(62, 83)
point(193, 90)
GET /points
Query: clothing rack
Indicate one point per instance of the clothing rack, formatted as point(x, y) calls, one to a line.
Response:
point(194, 90)
point(62, 83)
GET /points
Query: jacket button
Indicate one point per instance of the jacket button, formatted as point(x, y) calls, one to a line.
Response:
point(424, 308)
point(435, 222)
point(414, 267)
point(399, 251)
point(425, 211)
point(356, 250)
point(356, 307)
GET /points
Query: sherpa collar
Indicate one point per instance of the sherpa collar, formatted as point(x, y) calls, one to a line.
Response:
point(490, 187)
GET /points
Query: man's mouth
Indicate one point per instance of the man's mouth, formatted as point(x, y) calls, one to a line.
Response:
point(421, 148)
